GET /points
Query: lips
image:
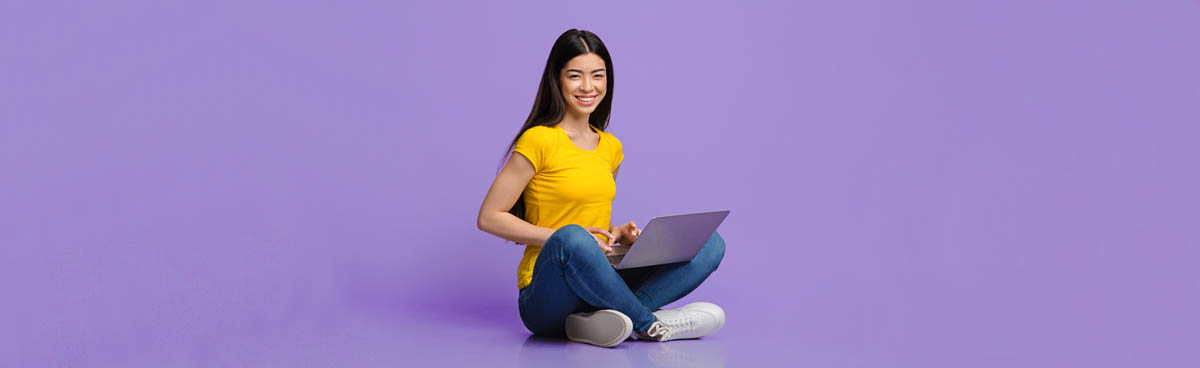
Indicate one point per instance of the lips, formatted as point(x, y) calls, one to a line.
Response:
point(586, 100)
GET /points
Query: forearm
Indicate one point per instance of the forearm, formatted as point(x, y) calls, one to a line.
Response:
point(509, 227)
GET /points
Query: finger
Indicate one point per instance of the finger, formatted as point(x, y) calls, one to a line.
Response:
point(611, 239)
point(605, 233)
point(603, 246)
point(600, 231)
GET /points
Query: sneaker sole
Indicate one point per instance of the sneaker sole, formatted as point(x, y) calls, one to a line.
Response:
point(604, 327)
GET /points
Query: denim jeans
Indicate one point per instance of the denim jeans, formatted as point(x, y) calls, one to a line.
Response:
point(572, 274)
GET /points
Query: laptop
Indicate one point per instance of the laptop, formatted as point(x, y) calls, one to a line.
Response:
point(668, 239)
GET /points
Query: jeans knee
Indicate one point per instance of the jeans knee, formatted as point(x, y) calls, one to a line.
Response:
point(572, 238)
point(714, 250)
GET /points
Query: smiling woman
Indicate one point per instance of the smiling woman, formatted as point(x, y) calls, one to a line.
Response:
point(554, 194)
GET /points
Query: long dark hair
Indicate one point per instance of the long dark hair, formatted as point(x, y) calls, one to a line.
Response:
point(549, 106)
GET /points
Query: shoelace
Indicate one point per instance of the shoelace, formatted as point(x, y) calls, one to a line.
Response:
point(664, 329)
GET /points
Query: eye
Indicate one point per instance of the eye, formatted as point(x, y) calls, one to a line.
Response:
point(599, 75)
point(573, 76)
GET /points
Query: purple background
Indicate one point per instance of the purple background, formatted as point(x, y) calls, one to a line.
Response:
point(918, 183)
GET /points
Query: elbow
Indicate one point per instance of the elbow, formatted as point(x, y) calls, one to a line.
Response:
point(482, 223)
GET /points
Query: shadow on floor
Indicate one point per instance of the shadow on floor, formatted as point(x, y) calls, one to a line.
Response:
point(540, 351)
point(479, 311)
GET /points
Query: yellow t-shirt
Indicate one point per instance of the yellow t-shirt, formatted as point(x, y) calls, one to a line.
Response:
point(570, 185)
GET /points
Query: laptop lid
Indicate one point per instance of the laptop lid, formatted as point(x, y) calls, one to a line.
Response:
point(670, 239)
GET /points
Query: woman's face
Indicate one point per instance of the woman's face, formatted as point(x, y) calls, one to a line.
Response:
point(584, 81)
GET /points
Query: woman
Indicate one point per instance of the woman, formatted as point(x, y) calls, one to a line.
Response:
point(555, 196)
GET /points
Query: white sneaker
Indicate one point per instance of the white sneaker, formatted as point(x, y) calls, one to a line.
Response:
point(691, 321)
point(605, 327)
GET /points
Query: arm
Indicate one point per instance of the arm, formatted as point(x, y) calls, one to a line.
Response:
point(494, 217)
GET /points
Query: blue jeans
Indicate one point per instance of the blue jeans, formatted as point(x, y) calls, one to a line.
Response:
point(572, 274)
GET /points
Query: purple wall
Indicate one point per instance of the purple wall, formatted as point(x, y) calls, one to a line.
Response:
point(937, 182)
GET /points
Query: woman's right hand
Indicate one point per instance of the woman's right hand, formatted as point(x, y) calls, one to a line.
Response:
point(606, 246)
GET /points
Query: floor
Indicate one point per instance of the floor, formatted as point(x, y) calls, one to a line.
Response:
point(487, 332)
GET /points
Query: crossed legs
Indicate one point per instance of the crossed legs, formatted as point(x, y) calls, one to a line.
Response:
point(572, 275)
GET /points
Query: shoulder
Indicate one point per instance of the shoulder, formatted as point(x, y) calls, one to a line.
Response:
point(616, 143)
point(540, 129)
point(537, 135)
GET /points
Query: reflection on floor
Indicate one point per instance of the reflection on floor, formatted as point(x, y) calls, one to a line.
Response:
point(545, 352)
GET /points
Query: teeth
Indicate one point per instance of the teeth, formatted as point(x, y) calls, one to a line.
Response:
point(585, 99)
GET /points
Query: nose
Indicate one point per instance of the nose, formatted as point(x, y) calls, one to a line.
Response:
point(587, 85)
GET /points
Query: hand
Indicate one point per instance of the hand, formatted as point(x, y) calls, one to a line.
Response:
point(626, 234)
point(605, 245)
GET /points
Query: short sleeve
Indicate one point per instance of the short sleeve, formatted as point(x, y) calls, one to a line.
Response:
point(617, 155)
point(532, 144)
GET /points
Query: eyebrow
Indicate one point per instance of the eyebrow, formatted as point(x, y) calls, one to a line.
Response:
point(580, 71)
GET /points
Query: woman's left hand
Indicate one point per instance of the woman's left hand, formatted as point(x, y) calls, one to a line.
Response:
point(626, 234)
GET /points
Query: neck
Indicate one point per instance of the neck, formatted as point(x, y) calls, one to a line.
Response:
point(575, 123)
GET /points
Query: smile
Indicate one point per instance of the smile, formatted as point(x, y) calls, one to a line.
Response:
point(586, 100)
